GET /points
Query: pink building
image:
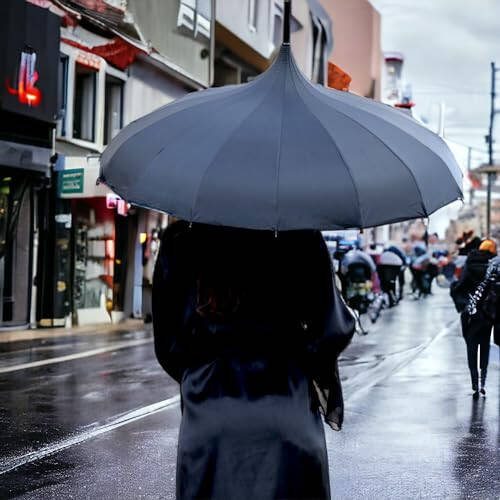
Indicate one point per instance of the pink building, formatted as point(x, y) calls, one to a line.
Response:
point(357, 49)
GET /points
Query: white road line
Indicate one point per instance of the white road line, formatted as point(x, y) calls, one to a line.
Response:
point(77, 355)
point(366, 380)
point(111, 424)
point(358, 385)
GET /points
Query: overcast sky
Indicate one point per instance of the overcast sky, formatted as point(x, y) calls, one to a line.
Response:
point(448, 46)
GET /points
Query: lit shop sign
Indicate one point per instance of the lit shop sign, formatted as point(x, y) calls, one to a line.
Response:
point(114, 201)
point(29, 48)
point(194, 17)
point(25, 79)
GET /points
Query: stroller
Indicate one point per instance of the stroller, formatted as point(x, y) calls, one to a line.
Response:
point(358, 293)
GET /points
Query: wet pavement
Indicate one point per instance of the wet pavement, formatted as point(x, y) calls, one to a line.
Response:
point(104, 424)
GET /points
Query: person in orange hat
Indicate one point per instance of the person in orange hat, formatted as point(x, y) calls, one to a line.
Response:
point(469, 294)
point(488, 246)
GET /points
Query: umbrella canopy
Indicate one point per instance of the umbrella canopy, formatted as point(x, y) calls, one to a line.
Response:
point(388, 258)
point(421, 261)
point(281, 153)
point(356, 256)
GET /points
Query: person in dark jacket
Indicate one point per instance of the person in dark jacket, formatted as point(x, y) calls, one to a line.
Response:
point(401, 277)
point(251, 326)
point(476, 328)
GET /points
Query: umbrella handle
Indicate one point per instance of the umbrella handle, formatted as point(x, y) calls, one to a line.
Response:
point(286, 22)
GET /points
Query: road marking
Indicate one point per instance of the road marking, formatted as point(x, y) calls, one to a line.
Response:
point(364, 381)
point(358, 385)
point(77, 355)
point(111, 424)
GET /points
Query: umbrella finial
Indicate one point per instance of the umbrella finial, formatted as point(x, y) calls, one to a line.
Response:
point(286, 22)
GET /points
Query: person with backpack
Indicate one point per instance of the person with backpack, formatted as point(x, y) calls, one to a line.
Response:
point(476, 297)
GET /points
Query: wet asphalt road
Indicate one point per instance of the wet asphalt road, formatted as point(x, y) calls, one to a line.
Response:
point(104, 424)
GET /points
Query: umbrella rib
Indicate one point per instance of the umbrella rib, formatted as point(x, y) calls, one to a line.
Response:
point(385, 107)
point(242, 122)
point(385, 145)
point(278, 158)
point(340, 154)
point(192, 96)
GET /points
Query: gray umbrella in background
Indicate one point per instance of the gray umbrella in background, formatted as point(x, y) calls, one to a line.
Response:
point(281, 153)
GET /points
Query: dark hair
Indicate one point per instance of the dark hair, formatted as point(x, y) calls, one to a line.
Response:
point(242, 274)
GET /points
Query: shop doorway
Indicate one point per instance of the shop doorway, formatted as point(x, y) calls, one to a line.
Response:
point(16, 246)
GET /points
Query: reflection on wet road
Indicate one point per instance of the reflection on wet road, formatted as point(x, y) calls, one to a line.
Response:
point(104, 425)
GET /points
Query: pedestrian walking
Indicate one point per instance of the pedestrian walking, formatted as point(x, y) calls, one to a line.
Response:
point(401, 277)
point(251, 325)
point(389, 269)
point(473, 295)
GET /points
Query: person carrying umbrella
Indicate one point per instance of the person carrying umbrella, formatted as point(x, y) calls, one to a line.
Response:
point(401, 277)
point(254, 347)
point(388, 269)
point(476, 288)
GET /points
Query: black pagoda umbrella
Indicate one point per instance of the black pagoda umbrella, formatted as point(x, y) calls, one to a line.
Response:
point(281, 153)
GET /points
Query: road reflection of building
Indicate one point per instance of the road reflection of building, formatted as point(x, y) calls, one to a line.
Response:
point(477, 456)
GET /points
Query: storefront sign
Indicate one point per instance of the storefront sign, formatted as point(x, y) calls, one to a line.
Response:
point(70, 181)
point(29, 44)
point(64, 219)
point(25, 80)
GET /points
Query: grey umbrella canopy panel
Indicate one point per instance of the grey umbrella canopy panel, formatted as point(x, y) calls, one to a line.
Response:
point(281, 153)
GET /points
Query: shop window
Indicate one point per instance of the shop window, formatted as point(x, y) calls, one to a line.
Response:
point(84, 109)
point(94, 254)
point(113, 108)
point(62, 95)
point(252, 14)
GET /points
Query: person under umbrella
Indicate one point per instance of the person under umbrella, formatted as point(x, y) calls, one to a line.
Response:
point(254, 347)
point(388, 269)
point(401, 277)
point(469, 294)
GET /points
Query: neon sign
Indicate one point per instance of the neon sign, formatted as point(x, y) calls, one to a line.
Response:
point(27, 76)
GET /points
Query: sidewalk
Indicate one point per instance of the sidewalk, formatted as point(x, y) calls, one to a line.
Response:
point(418, 433)
point(52, 333)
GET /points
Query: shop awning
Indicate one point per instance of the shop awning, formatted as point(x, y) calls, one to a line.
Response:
point(25, 156)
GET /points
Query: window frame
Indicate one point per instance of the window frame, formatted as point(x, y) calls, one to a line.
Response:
point(63, 75)
point(73, 54)
point(252, 15)
point(94, 74)
point(121, 83)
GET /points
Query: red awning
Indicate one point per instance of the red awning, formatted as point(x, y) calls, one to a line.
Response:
point(117, 52)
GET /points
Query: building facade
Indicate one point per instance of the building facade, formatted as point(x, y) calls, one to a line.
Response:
point(29, 40)
point(72, 252)
point(357, 44)
point(90, 254)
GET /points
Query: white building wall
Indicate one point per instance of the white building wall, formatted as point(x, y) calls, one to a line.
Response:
point(147, 89)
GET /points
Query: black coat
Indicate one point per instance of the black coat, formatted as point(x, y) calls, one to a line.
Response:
point(475, 327)
point(252, 389)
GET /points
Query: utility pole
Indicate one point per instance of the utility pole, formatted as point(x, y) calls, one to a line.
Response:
point(491, 177)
